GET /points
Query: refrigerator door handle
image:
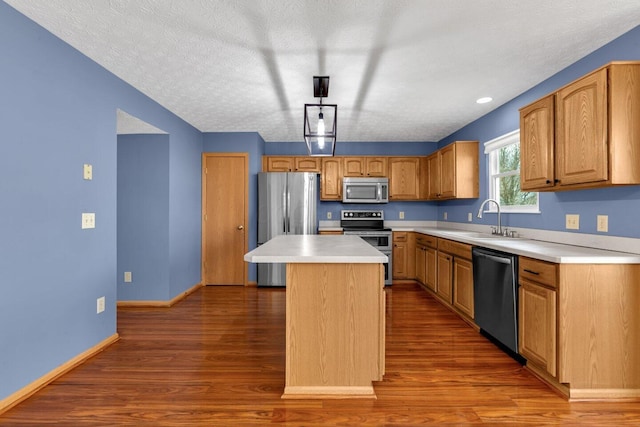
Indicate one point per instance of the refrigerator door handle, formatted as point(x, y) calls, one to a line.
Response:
point(288, 212)
point(284, 211)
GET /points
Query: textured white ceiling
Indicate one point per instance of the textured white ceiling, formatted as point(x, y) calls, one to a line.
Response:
point(401, 70)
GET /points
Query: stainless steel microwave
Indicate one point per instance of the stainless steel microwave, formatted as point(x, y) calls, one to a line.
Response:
point(365, 190)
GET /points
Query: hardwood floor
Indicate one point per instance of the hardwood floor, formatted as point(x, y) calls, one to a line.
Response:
point(217, 358)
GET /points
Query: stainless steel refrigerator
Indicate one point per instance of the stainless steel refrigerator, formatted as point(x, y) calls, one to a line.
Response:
point(286, 205)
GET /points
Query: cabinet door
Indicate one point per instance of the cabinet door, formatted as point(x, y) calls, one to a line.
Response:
point(280, 164)
point(581, 144)
point(445, 269)
point(448, 172)
point(307, 164)
point(431, 261)
point(421, 265)
point(463, 286)
point(353, 166)
point(433, 162)
point(376, 166)
point(537, 325)
point(404, 178)
point(331, 179)
point(537, 142)
point(399, 260)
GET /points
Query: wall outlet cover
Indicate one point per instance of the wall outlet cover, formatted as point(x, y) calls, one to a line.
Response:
point(603, 223)
point(445, 216)
point(401, 214)
point(127, 277)
point(470, 217)
point(328, 215)
point(100, 302)
point(87, 172)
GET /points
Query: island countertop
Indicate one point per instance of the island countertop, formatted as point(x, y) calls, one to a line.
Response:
point(316, 249)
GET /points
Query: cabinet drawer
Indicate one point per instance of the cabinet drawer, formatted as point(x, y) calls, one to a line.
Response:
point(542, 272)
point(424, 240)
point(455, 248)
point(400, 236)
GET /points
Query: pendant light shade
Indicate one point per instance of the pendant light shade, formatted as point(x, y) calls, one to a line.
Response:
point(320, 121)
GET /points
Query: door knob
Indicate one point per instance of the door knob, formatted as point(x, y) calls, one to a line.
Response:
point(241, 227)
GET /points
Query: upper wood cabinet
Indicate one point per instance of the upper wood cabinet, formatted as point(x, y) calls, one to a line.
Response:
point(536, 144)
point(291, 164)
point(277, 164)
point(404, 178)
point(364, 166)
point(307, 164)
point(585, 135)
point(453, 171)
point(331, 179)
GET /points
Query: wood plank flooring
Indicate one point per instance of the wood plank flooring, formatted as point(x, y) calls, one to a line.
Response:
point(217, 358)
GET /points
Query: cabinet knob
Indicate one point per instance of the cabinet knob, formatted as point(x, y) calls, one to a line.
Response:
point(556, 181)
point(241, 227)
point(548, 181)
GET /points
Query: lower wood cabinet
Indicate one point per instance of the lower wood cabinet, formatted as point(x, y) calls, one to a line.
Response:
point(444, 288)
point(455, 281)
point(463, 286)
point(400, 255)
point(537, 326)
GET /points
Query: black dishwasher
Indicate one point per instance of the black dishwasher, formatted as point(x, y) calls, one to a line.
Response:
point(495, 297)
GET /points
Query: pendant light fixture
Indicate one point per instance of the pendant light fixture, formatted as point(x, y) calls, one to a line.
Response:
point(320, 121)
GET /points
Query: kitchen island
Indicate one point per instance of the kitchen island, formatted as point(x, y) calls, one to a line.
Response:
point(335, 314)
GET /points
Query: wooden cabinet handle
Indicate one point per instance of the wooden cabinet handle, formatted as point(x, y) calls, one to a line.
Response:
point(532, 272)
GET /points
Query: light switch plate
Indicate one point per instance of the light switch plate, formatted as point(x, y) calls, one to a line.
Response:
point(572, 221)
point(88, 172)
point(88, 220)
point(603, 223)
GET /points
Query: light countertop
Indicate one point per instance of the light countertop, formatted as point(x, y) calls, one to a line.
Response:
point(546, 251)
point(315, 248)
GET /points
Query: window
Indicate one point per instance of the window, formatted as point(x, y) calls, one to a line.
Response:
point(504, 175)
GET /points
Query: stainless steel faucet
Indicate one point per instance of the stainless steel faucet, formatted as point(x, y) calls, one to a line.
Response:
point(499, 230)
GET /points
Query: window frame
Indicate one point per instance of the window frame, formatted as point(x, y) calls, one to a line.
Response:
point(491, 150)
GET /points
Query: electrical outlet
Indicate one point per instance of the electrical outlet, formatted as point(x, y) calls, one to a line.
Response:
point(603, 223)
point(100, 305)
point(401, 215)
point(572, 222)
point(470, 217)
point(88, 220)
point(328, 215)
point(127, 277)
point(445, 216)
point(87, 172)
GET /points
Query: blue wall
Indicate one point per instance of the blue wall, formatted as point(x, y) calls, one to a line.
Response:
point(58, 111)
point(143, 217)
point(620, 204)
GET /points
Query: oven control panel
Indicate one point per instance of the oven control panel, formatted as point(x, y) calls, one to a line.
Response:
point(361, 215)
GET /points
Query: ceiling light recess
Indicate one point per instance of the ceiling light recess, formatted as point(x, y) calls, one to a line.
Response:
point(484, 100)
point(320, 121)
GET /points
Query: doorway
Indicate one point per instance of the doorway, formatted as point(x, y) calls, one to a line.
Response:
point(225, 190)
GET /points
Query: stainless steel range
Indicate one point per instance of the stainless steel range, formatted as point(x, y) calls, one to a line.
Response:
point(369, 225)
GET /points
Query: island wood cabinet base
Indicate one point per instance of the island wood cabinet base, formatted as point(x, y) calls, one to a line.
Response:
point(335, 326)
